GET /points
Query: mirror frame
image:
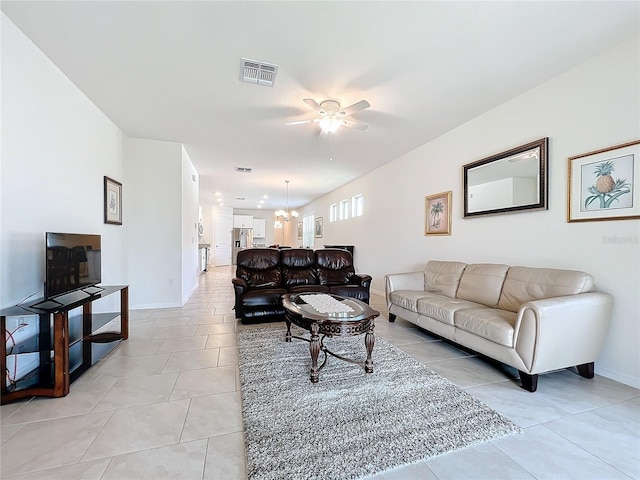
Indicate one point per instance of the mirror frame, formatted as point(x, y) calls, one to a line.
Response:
point(543, 179)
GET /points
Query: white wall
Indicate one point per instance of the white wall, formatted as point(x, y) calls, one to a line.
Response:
point(593, 106)
point(189, 226)
point(56, 149)
point(152, 211)
point(207, 223)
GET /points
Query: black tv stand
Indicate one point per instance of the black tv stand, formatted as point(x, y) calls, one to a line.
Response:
point(92, 290)
point(70, 338)
point(47, 304)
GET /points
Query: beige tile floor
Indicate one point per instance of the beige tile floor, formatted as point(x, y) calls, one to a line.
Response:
point(166, 405)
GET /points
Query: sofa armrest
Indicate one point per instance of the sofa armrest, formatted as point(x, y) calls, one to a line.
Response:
point(239, 288)
point(402, 281)
point(239, 283)
point(362, 280)
point(562, 331)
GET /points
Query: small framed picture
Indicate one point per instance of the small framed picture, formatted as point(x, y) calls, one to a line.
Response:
point(604, 184)
point(112, 201)
point(299, 230)
point(437, 219)
point(318, 229)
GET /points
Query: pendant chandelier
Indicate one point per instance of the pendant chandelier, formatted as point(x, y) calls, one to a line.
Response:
point(286, 215)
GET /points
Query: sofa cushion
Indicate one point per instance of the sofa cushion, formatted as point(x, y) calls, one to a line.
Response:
point(408, 299)
point(270, 278)
point(524, 284)
point(297, 267)
point(442, 308)
point(259, 267)
point(335, 267)
point(482, 283)
point(490, 323)
point(443, 277)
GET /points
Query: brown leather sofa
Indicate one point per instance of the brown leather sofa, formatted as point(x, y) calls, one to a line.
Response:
point(263, 275)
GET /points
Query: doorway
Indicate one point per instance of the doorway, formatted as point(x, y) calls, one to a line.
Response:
point(222, 224)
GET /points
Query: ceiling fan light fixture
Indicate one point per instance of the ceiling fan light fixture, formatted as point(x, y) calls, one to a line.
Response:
point(332, 117)
point(330, 124)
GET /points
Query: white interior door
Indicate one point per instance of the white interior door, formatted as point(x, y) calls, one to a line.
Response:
point(222, 225)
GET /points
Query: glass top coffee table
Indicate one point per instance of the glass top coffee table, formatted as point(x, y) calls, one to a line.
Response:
point(327, 315)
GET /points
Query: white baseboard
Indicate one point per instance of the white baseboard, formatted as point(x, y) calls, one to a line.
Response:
point(377, 292)
point(195, 287)
point(618, 377)
point(154, 305)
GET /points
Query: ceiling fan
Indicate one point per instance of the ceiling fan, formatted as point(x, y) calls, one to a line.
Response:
point(332, 116)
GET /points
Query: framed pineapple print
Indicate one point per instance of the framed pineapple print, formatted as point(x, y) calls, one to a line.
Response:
point(605, 184)
point(437, 219)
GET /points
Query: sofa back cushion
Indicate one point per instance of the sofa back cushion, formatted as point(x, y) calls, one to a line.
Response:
point(524, 284)
point(298, 267)
point(259, 267)
point(335, 266)
point(482, 283)
point(443, 277)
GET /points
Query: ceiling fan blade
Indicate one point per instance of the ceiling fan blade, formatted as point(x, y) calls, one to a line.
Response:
point(301, 122)
point(313, 104)
point(356, 125)
point(356, 107)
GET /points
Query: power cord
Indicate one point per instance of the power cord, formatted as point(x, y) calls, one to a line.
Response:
point(11, 378)
point(27, 298)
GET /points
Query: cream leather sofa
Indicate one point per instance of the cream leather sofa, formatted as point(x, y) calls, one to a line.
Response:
point(534, 319)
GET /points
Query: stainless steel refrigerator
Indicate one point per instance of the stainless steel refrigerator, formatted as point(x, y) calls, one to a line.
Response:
point(241, 238)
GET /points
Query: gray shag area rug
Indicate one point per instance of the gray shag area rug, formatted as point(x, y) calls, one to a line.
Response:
point(350, 424)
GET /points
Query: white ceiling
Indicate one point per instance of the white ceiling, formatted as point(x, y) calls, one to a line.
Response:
point(170, 71)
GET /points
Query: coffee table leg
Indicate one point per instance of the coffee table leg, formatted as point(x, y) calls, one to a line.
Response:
point(369, 341)
point(314, 349)
point(287, 337)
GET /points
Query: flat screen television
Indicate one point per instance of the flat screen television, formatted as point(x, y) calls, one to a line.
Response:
point(72, 262)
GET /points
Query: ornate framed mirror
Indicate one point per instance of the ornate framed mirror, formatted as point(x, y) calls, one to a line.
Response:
point(511, 181)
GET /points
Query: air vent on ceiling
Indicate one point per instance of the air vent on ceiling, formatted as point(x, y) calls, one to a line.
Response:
point(240, 198)
point(261, 73)
point(244, 169)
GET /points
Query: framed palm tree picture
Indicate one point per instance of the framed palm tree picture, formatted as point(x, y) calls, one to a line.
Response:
point(437, 219)
point(605, 184)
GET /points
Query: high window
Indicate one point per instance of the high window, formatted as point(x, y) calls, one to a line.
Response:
point(357, 201)
point(333, 212)
point(344, 209)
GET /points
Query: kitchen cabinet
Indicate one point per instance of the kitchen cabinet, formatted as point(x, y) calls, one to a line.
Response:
point(259, 228)
point(242, 221)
